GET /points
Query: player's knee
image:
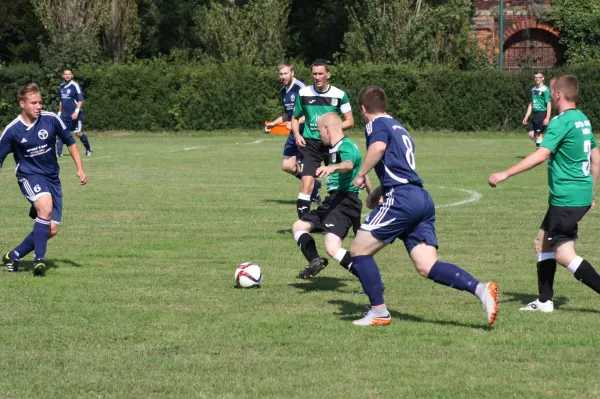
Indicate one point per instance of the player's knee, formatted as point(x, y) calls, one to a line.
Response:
point(332, 249)
point(300, 225)
point(531, 135)
point(53, 230)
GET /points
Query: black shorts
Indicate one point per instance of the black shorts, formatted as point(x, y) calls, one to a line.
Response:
point(336, 214)
point(315, 153)
point(536, 122)
point(561, 222)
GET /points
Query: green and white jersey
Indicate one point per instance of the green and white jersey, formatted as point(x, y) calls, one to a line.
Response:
point(540, 97)
point(344, 150)
point(313, 104)
point(569, 136)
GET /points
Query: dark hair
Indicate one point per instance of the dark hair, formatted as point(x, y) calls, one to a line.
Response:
point(320, 62)
point(26, 90)
point(284, 64)
point(374, 99)
point(567, 85)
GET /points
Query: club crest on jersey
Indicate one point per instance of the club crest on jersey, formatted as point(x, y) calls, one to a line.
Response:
point(68, 91)
point(334, 157)
point(293, 97)
point(334, 102)
point(43, 134)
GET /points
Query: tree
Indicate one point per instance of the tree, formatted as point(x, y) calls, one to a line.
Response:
point(253, 31)
point(19, 32)
point(121, 33)
point(579, 26)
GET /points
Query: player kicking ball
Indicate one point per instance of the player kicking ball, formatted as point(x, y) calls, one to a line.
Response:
point(342, 207)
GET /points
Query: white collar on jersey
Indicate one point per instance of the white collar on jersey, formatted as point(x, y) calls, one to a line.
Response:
point(28, 126)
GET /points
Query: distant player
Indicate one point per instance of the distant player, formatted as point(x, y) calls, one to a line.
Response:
point(342, 207)
point(573, 170)
point(292, 155)
point(31, 137)
point(69, 109)
point(539, 109)
point(312, 102)
point(407, 213)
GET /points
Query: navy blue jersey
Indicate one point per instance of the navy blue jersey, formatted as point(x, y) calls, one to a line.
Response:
point(288, 96)
point(33, 147)
point(70, 95)
point(397, 167)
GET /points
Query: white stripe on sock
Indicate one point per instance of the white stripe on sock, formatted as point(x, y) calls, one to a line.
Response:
point(545, 256)
point(298, 234)
point(339, 255)
point(574, 265)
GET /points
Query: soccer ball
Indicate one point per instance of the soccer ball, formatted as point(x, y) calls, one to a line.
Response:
point(248, 275)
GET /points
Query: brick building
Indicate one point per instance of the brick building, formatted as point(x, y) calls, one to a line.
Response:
point(528, 43)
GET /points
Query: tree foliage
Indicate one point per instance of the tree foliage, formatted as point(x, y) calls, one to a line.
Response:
point(121, 32)
point(579, 26)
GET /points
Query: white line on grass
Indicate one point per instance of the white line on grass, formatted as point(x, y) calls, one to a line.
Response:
point(475, 196)
point(92, 159)
point(257, 141)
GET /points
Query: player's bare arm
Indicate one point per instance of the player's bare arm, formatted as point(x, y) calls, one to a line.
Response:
point(526, 118)
point(348, 121)
point(548, 114)
point(74, 151)
point(530, 162)
point(271, 125)
point(342, 167)
point(296, 129)
point(374, 154)
point(76, 113)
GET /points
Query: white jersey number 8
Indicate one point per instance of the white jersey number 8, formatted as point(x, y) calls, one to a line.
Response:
point(410, 154)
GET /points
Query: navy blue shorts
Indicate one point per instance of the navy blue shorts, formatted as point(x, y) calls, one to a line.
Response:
point(408, 213)
point(290, 149)
point(74, 126)
point(33, 187)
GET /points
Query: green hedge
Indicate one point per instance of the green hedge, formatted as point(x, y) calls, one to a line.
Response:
point(161, 95)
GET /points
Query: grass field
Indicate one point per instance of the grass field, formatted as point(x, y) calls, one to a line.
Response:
point(139, 302)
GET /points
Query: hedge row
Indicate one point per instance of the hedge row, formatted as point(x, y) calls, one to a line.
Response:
point(159, 95)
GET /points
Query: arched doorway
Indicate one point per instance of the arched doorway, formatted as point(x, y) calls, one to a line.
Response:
point(532, 48)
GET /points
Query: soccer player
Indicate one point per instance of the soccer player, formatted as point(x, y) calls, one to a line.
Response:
point(69, 109)
point(573, 169)
point(312, 102)
point(31, 137)
point(407, 212)
point(341, 209)
point(540, 106)
point(292, 156)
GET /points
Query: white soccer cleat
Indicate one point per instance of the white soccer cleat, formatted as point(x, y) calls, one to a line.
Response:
point(372, 320)
point(489, 301)
point(537, 306)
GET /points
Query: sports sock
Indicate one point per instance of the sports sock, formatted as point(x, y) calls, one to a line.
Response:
point(307, 245)
point(370, 278)
point(41, 233)
point(546, 269)
point(380, 310)
point(453, 276)
point(23, 248)
point(585, 273)
point(85, 142)
point(345, 260)
point(303, 204)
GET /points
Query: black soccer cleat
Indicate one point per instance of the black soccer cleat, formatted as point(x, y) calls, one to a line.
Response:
point(11, 265)
point(39, 268)
point(313, 268)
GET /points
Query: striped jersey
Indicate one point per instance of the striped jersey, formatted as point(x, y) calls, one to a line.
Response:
point(344, 150)
point(33, 146)
point(312, 104)
point(540, 97)
point(288, 96)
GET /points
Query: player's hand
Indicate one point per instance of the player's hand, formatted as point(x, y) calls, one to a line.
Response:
point(593, 205)
point(546, 121)
point(497, 178)
point(75, 115)
point(324, 171)
point(373, 200)
point(300, 141)
point(360, 182)
point(524, 121)
point(288, 125)
point(267, 128)
point(82, 177)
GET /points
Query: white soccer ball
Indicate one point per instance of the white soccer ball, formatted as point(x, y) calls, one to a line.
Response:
point(248, 275)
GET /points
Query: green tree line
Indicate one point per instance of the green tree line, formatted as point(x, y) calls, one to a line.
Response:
point(262, 32)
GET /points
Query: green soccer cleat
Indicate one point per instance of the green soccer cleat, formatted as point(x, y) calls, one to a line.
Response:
point(39, 268)
point(11, 265)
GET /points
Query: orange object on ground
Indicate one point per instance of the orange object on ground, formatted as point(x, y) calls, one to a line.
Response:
point(279, 129)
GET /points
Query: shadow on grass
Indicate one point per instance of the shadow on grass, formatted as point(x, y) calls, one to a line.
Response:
point(281, 202)
point(524, 299)
point(319, 284)
point(285, 231)
point(352, 311)
point(27, 266)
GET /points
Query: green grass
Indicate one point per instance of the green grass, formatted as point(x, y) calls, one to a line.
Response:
point(140, 301)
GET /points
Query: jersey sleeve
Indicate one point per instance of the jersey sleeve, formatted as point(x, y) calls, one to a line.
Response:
point(79, 93)
point(345, 104)
point(547, 95)
point(348, 152)
point(378, 133)
point(553, 136)
point(298, 110)
point(5, 148)
point(64, 132)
